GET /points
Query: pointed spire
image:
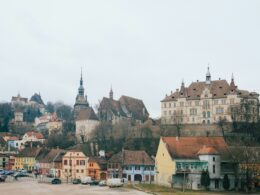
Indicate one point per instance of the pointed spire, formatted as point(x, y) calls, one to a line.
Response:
point(208, 76)
point(232, 84)
point(81, 88)
point(182, 91)
point(111, 94)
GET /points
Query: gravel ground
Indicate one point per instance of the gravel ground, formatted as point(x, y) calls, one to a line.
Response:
point(29, 186)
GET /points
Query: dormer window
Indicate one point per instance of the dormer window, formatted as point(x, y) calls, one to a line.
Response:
point(220, 87)
point(194, 89)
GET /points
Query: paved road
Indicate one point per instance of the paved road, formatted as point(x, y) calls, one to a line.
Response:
point(32, 187)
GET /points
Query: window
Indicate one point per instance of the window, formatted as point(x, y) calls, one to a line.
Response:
point(165, 106)
point(216, 102)
point(189, 103)
point(193, 111)
point(146, 177)
point(208, 114)
point(82, 171)
point(137, 167)
point(66, 170)
point(181, 104)
point(213, 159)
point(170, 105)
point(165, 113)
point(232, 101)
point(204, 114)
point(174, 105)
point(65, 162)
point(170, 112)
point(77, 170)
point(214, 169)
point(208, 122)
point(77, 162)
point(70, 162)
point(197, 103)
point(219, 110)
point(223, 101)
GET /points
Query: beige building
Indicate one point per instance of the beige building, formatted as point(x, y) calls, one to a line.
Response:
point(74, 164)
point(86, 122)
point(208, 102)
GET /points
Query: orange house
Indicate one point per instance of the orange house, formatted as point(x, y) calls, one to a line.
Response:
point(97, 168)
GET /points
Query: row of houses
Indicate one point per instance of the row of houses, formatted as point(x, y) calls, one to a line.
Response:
point(74, 163)
point(179, 162)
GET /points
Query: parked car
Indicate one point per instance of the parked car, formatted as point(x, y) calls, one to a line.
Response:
point(76, 181)
point(55, 181)
point(3, 178)
point(102, 183)
point(86, 180)
point(114, 182)
point(94, 183)
point(16, 175)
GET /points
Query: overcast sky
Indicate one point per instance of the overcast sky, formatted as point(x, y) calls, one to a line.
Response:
point(143, 48)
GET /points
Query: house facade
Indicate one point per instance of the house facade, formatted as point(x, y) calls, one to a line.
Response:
point(26, 159)
point(74, 164)
point(97, 168)
point(209, 102)
point(181, 161)
point(135, 166)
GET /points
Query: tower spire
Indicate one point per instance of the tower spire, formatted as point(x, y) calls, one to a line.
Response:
point(208, 76)
point(111, 94)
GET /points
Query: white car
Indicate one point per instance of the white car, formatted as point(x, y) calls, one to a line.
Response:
point(86, 180)
point(115, 182)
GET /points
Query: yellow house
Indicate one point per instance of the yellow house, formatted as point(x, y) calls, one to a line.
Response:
point(26, 159)
point(165, 165)
point(74, 164)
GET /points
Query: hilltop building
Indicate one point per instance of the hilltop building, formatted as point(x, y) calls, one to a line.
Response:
point(86, 122)
point(126, 108)
point(209, 101)
point(81, 99)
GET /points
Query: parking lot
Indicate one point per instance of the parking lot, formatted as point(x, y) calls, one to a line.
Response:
point(29, 186)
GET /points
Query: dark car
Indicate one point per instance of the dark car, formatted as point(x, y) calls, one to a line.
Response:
point(2, 178)
point(56, 181)
point(94, 183)
point(76, 181)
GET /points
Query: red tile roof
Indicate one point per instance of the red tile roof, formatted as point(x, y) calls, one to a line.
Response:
point(188, 147)
point(207, 151)
point(218, 89)
point(36, 134)
point(131, 157)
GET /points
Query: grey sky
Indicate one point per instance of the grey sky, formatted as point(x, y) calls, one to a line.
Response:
point(143, 48)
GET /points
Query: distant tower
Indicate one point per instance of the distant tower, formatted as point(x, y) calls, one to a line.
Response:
point(111, 94)
point(208, 77)
point(81, 99)
point(233, 87)
point(182, 91)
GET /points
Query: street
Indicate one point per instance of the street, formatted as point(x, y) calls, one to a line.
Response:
point(28, 186)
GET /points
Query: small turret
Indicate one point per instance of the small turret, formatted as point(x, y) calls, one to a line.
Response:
point(111, 93)
point(208, 77)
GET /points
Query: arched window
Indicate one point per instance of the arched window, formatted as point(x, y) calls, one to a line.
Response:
point(208, 121)
point(203, 122)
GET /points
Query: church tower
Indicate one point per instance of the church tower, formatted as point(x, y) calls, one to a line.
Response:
point(81, 99)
